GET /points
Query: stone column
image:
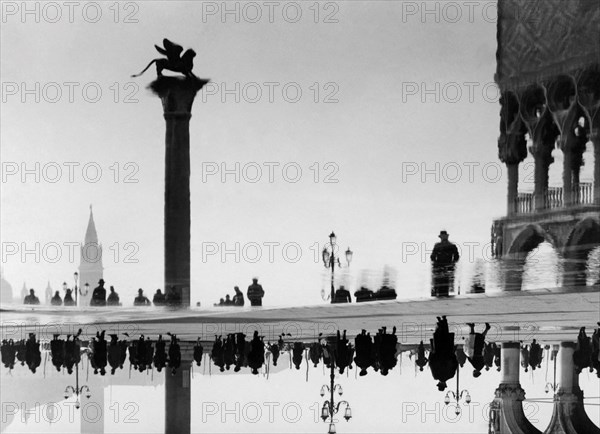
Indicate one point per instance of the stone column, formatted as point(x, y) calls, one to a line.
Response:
point(92, 410)
point(178, 393)
point(507, 414)
point(595, 138)
point(569, 416)
point(573, 147)
point(178, 400)
point(567, 176)
point(513, 188)
point(542, 154)
point(177, 96)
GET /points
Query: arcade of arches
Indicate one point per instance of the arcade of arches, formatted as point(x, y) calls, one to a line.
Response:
point(562, 112)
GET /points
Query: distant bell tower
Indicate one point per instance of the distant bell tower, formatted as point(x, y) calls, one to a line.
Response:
point(90, 266)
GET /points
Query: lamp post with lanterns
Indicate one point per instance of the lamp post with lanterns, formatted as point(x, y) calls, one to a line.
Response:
point(70, 390)
point(76, 289)
point(452, 396)
point(554, 385)
point(329, 408)
point(329, 261)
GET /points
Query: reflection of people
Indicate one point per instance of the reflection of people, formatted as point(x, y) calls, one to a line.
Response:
point(56, 300)
point(141, 299)
point(363, 294)
point(99, 295)
point(342, 295)
point(474, 346)
point(443, 258)
point(238, 298)
point(255, 293)
point(173, 298)
point(113, 298)
point(442, 357)
point(68, 300)
point(385, 293)
point(31, 298)
point(159, 298)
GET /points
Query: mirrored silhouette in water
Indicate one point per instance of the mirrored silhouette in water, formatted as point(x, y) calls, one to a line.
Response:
point(338, 355)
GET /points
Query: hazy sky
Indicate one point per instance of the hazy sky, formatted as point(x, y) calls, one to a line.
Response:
point(378, 122)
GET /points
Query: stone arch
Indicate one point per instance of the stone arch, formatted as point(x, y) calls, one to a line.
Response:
point(584, 238)
point(528, 239)
point(588, 93)
point(533, 103)
point(514, 262)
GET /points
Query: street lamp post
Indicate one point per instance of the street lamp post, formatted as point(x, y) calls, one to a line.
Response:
point(329, 408)
point(553, 385)
point(70, 390)
point(77, 290)
point(329, 261)
point(451, 396)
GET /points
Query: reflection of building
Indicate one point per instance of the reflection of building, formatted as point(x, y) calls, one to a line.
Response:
point(24, 292)
point(548, 72)
point(48, 294)
point(90, 267)
point(6, 295)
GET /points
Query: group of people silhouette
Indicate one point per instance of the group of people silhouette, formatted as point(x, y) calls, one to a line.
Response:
point(378, 352)
point(100, 298)
point(171, 298)
point(23, 351)
point(255, 295)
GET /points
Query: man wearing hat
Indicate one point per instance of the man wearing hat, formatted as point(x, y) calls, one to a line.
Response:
point(99, 295)
point(443, 259)
point(255, 293)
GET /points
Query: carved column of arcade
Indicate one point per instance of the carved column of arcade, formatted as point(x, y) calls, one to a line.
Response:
point(542, 132)
point(543, 136)
point(573, 140)
point(569, 416)
point(512, 146)
point(595, 138)
point(178, 394)
point(588, 95)
point(177, 96)
point(562, 103)
point(507, 415)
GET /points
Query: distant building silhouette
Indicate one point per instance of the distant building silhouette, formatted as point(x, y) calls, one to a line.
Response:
point(49, 293)
point(90, 266)
point(6, 295)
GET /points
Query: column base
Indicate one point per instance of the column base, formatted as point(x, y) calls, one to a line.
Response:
point(569, 416)
point(507, 415)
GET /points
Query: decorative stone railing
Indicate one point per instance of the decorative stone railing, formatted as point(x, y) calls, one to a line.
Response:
point(554, 198)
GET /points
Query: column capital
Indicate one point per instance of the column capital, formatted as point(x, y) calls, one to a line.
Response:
point(177, 93)
point(510, 391)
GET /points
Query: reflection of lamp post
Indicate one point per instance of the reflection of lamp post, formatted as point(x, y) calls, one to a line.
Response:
point(70, 390)
point(553, 385)
point(329, 261)
point(78, 290)
point(330, 409)
point(451, 396)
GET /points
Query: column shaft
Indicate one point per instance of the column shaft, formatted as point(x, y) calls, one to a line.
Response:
point(513, 185)
point(567, 177)
point(596, 141)
point(510, 354)
point(178, 400)
point(177, 204)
